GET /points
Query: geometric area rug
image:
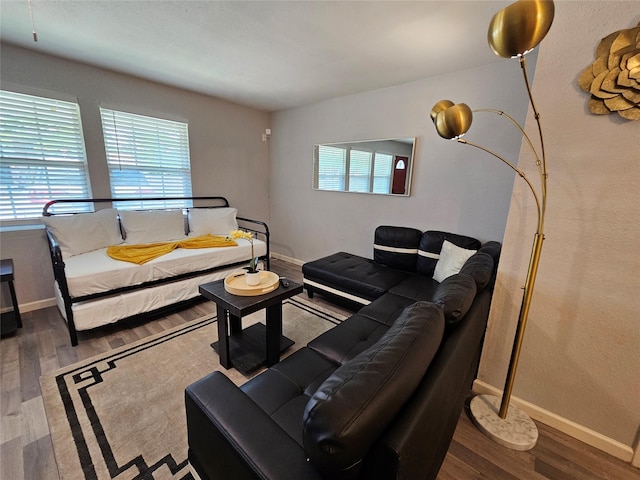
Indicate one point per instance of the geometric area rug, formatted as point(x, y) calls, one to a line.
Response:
point(120, 415)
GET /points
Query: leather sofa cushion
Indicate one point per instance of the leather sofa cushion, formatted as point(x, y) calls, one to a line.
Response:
point(355, 404)
point(480, 267)
point(283, 390)
point(431, 244)
point(386, 309)
point(348, 339)
point(396, 247)
point(455, 295)
point(416, 287)
point(353, 274)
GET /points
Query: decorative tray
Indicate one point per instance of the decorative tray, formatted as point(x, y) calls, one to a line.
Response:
point(236, 284)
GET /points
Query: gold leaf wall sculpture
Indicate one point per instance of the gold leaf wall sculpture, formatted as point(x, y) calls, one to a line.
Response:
point(614, 78)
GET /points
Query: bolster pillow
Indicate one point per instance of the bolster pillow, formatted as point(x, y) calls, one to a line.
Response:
point(356, 403)
point(455, 295)
point(480, 267)
point(492, 248)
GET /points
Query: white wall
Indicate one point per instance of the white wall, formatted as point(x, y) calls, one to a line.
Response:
point(455, 188)
point(581, 352)
point(228, 156)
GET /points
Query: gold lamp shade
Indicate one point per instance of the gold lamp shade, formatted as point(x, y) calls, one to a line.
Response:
point(441, 106)
point(520, 27)
point(451, 121)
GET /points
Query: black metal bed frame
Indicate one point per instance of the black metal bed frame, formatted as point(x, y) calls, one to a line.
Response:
point(257, 227)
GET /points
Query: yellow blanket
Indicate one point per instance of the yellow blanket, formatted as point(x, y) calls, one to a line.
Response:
point(143, 253)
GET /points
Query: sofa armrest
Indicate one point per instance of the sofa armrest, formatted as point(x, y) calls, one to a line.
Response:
point(230, 436)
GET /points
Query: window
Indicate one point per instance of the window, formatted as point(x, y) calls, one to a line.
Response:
point(332, 163)
point(359, 171)
point(147, 157)
point(382, 173)
point(353, 170)
point(42, 155)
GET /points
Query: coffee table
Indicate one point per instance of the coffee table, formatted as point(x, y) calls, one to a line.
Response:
point(257, 345)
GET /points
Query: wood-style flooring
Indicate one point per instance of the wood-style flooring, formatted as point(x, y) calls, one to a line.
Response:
point(42, 346)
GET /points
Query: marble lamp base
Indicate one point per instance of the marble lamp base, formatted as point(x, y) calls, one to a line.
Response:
point(517, 431)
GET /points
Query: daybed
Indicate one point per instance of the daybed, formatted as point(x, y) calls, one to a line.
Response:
point(376, 397)
point(92, 289)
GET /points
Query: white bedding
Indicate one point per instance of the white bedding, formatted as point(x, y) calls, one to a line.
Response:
point(103, 311)
point(96, 272)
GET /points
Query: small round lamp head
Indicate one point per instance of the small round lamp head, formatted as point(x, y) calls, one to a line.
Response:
point(451, 121)
point(520, 27)
point(441, 106)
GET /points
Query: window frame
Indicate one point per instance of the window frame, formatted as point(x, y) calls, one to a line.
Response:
point(131, 141)
point(50, 156)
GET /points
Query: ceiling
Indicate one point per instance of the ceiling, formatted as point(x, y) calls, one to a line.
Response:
point(269, 55)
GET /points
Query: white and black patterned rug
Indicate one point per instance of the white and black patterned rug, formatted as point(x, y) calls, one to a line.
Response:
point(121, 415)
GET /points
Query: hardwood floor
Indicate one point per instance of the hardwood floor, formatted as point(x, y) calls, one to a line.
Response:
point(42, 346)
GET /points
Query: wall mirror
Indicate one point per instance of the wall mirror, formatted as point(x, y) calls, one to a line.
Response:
point(365, 166)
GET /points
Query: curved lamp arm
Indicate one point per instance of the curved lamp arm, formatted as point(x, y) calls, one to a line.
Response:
point(520, 173)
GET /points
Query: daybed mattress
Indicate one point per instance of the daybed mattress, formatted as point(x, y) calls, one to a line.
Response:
point(96, 272)
point(103, 311)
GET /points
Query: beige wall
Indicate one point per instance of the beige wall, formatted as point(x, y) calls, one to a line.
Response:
point(228, 156)
point(581, 353)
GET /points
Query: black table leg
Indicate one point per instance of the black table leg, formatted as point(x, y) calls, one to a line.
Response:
point(14, 301)
point(223, 337)
point(274, 332)
point(235, 324)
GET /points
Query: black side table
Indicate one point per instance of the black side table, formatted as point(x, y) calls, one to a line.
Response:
point(9, 321)
point(257, 345)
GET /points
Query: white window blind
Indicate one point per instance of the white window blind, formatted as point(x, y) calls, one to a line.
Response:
point(359, 171)
point(382, 173)
point(147, 157)
point(42, 155)
point(332, 163)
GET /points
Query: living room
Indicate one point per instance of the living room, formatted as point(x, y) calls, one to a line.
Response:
point(578, 372)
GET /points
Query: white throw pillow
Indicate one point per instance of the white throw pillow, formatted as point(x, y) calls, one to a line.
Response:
point(451, 260)
point(214, 221)
point(84, 232)
point(150, 226)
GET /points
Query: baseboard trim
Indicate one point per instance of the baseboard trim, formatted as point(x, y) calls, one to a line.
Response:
point(284, 258)
point(37, 305)
point(575, 430)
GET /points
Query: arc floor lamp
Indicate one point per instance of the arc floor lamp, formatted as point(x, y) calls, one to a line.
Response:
point(513, 32)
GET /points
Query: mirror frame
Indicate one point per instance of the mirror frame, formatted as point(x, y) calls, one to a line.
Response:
point(351, 144)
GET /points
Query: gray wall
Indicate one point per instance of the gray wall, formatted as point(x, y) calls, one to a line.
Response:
point(228, 156)
point(455, 188)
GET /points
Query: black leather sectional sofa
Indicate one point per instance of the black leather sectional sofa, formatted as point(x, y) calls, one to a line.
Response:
point(376, 397)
